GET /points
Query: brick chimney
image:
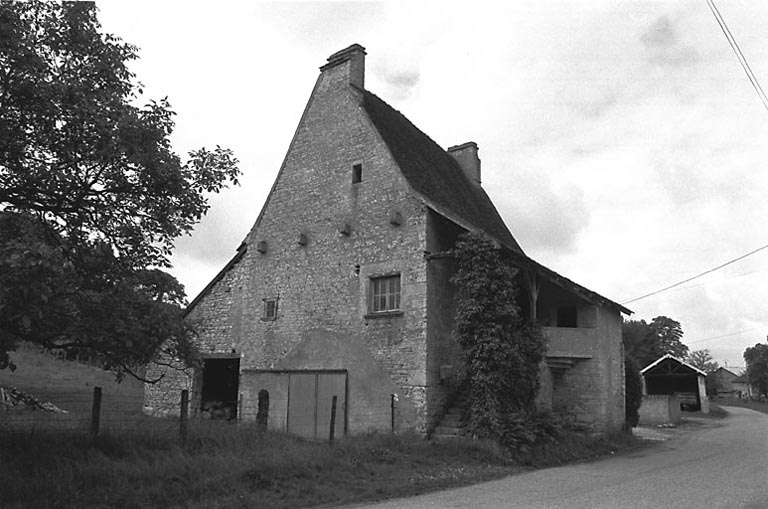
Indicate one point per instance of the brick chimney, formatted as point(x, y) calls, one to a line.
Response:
point(353, 58)
point(466, 155)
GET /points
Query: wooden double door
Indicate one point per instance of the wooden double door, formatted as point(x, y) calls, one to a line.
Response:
point(310, 397)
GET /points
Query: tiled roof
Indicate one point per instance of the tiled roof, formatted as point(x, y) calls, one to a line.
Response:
point(434, 173)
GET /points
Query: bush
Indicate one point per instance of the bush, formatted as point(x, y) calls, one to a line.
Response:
point(633, 390)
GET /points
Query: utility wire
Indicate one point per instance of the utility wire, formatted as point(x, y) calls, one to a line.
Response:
point(723, 336)
point(739, 54)
point(697, 275)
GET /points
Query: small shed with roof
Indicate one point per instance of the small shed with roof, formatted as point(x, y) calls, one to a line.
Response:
point(672, 376)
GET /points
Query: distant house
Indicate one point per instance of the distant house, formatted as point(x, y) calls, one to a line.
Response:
point(723, 382)
point(742, 388)
point(672, 376)
point(342, 287)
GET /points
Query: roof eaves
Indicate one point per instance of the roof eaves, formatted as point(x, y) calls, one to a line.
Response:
point(670, 356)
point(568, 284)
point(460, 221)
point(241, 250)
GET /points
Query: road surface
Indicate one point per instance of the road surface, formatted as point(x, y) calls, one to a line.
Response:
point(709, 464)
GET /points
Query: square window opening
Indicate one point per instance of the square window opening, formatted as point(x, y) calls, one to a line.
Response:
point(385, 294)
point(270, 309)
point(357, 173)
point(567, 316)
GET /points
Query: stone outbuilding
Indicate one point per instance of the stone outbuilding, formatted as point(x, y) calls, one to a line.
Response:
point(742, 387)
point(342, 287)
point(722, 382)
point(669, 375)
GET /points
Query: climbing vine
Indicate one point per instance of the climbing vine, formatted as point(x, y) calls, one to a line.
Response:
point(501, 352)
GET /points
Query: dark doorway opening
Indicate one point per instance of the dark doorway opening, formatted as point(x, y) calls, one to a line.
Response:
point(219, 394)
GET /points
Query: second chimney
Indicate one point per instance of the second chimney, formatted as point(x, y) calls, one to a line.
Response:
point(466, 155)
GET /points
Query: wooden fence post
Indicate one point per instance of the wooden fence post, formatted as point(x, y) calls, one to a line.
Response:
point(392, 412)
point(333, 421)
point(95, 412)
point(184, 416)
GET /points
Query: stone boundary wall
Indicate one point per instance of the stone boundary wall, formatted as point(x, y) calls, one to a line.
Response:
point(660, 409)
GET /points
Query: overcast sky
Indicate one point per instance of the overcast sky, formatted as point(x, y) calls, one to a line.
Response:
point(621, 141)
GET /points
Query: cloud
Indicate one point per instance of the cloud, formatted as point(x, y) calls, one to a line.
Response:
point(542, 217)
point(661, 34)
point(399, 82)
point(664, 47)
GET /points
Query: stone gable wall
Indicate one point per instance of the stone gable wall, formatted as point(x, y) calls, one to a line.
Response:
point(321, 276)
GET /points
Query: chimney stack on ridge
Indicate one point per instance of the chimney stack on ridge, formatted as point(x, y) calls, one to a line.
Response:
point(354, 58)
point(466, 155)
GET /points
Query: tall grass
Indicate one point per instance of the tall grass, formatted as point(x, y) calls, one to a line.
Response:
point(228, 465)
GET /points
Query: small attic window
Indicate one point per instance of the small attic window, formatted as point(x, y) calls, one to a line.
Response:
point(357, 173)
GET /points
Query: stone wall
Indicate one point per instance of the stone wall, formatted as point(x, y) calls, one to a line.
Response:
point(592, 391)
point(660, 409)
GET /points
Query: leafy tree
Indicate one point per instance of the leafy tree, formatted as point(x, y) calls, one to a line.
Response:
point(756, 358)
point(501, 353)
point(633, 393)
point(639, 342)
point(669, 333)
point(702, 360)
point(92, 195)
point(645, 342)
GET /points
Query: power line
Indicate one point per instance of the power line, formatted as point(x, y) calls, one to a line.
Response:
point(722, 336)
point(697, 275)
point(697, 285)
point(735, 46)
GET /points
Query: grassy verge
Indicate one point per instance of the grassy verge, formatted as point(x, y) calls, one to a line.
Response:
point(752, 405)
point(238, 466)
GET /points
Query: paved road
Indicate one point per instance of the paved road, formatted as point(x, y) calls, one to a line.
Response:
point(710, 464)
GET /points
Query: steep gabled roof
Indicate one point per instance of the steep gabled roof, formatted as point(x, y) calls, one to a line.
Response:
point(673, 358)
point(725, 370)
point(741, 379)
point(435, 174)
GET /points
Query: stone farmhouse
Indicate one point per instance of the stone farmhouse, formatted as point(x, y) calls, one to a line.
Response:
point(341, 288)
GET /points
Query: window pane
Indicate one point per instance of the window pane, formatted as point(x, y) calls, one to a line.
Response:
point(385, 294)
point(382, 303)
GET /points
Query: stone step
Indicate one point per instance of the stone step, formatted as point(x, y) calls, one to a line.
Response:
point(448, 430)
point(439, 436)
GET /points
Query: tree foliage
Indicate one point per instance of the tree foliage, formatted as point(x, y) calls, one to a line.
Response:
point(633, 392)
point(645, 342)
point(500, 351)
point(92, 195)
point(702, 360)
point(756, 358)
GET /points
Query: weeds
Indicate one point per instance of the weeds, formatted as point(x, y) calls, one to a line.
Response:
point(238, 465)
